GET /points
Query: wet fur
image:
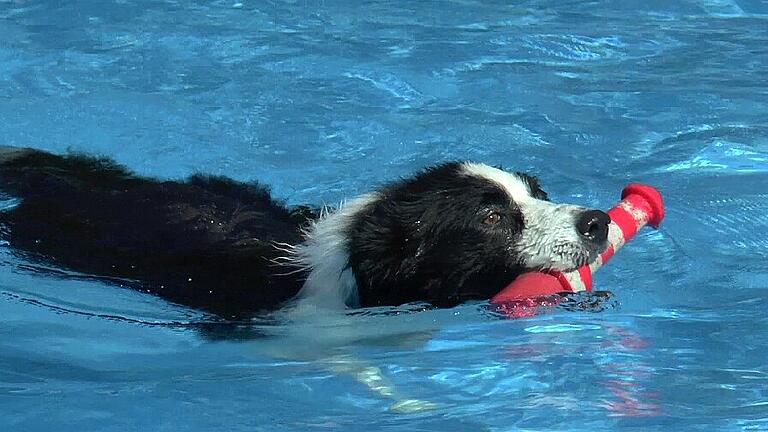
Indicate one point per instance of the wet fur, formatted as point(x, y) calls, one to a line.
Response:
point(230, 248)
point(205, 242)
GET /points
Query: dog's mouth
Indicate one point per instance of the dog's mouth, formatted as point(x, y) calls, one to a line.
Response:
point(568, 257)
point(558, 245)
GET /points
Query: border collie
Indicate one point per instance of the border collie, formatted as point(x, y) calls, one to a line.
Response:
point(455, 232)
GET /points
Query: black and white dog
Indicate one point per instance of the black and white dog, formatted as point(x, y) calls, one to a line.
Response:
point(451, 233)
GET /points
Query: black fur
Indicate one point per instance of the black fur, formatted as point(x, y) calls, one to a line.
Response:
point(425, 240)
point(205, 242)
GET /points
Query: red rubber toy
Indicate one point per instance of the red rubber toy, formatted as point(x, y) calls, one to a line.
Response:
point(640, 205)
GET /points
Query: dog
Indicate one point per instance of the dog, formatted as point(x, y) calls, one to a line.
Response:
point(451, 233)
point(454, 232)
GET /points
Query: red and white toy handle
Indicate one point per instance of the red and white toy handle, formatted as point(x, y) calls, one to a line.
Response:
point(640, 205)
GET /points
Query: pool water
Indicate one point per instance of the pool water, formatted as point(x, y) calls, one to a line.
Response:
point(326, 99)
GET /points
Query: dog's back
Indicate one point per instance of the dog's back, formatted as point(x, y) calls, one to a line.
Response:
point(206, 242)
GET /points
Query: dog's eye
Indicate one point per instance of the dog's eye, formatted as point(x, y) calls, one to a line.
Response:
point(492, 218)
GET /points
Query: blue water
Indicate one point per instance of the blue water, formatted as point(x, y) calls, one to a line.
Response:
point(326, 99)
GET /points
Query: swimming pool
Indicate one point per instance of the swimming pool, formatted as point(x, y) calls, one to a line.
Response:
point(325, 99)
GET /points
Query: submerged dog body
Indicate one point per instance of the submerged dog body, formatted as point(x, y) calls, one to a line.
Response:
point(451, 233)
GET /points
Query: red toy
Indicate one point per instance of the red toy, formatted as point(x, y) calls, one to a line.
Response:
point(640, 205)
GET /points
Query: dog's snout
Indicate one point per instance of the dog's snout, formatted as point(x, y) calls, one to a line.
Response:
point(593, 225)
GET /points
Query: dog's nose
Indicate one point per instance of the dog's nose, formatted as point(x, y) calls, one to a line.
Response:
point(593, 225)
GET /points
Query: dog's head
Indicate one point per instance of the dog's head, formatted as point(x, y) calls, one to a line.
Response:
point(455, 232)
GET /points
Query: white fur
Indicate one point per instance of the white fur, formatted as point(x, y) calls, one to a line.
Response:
point(549, 239)
point(515, 187)
point(325, 253)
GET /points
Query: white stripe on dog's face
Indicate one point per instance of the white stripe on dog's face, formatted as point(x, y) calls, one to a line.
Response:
point(549, 239)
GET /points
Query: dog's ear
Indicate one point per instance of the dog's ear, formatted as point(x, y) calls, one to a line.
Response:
point(380, 246)
point(384, 253)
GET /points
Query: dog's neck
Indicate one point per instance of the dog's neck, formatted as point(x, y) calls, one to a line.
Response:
point(324, 253)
